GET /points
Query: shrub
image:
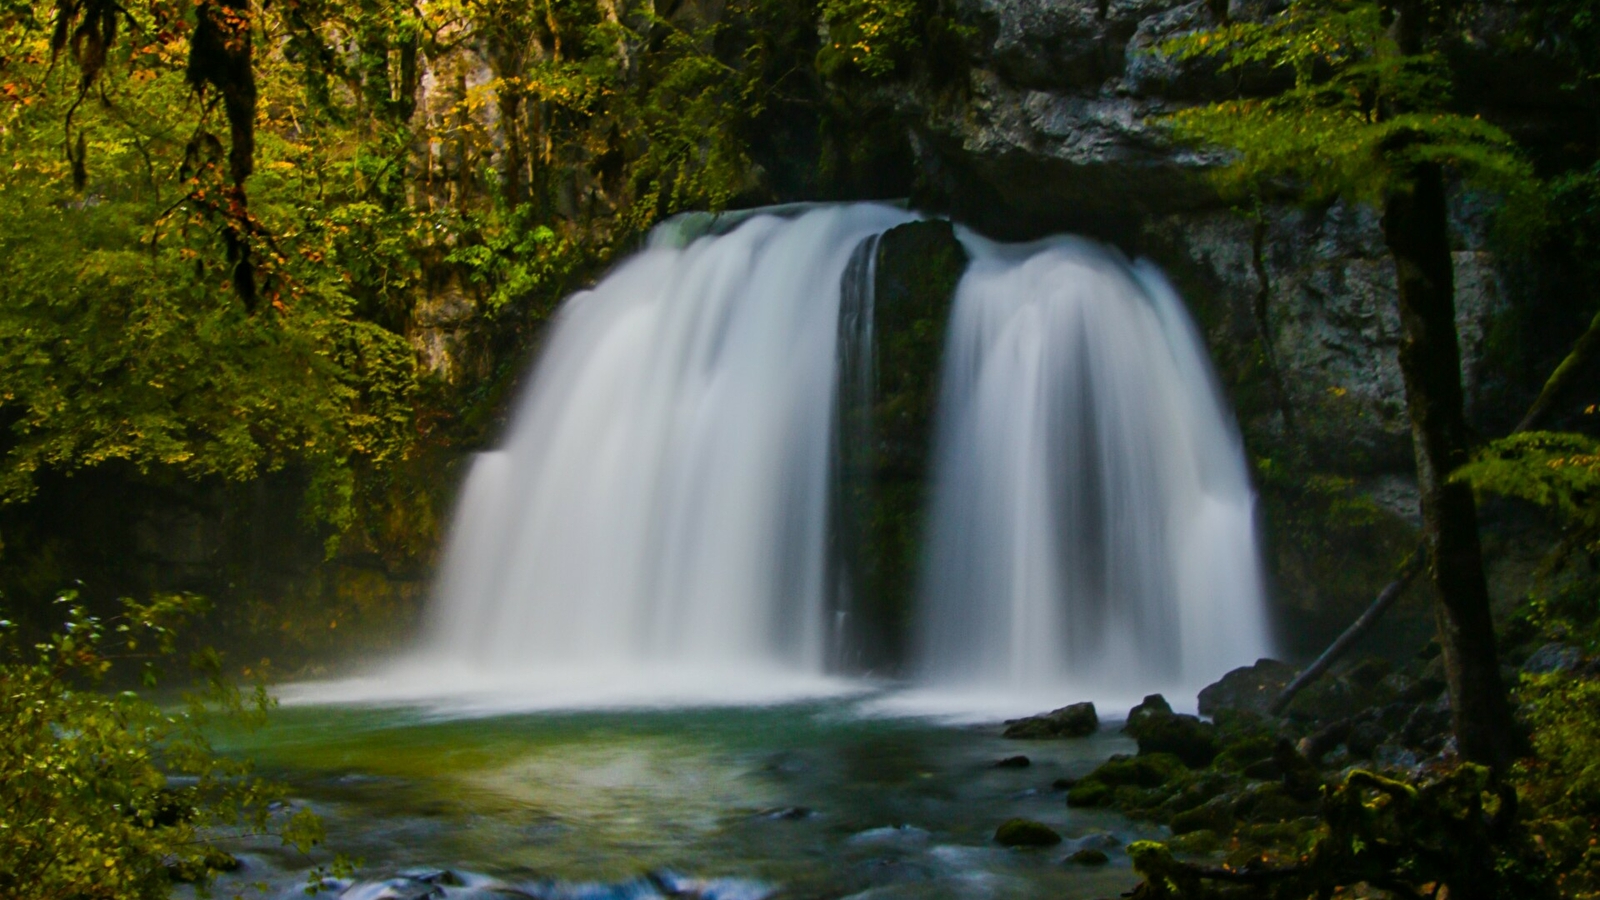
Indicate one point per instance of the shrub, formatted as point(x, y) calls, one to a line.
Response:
point(105, 794)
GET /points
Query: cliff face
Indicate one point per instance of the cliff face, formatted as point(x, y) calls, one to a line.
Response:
point(1055, 127)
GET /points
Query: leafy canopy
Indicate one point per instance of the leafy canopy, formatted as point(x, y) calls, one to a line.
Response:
point(1338, 108)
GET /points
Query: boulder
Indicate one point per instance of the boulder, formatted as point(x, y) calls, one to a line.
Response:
point(1026, 833)
point(1077, 720)
point(1089, 857)
point(1152, 704)
point(1553, 658)
point(1145, 770)
point(1248, 688)
point(1089, 793)
point(1013, 762)
point(1184, 736)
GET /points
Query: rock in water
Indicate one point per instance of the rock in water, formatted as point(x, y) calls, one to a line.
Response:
point(1151, 705)
point(1077, 720)
point(1159, 730)
point(393, 889)
point(1248, 688)
point(1026, 833)
point(1089, 857)
point(1013, 762)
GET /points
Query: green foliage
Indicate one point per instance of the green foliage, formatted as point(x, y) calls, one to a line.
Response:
point(1563, 777)
point(1554, 470)
point(1355, 114)
point(872, 37)
point(1454, 829)
point(105, 794)
point(1560, 783)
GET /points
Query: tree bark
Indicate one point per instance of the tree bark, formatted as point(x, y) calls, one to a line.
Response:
point(1415, 228)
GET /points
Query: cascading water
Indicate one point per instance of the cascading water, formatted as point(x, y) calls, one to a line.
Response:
point(653, 528)
point(1092, 529)
point(656, 526)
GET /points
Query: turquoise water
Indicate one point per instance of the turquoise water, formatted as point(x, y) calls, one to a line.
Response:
point(807, 800)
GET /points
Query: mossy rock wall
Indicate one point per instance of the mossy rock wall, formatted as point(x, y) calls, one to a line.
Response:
point(885, 450)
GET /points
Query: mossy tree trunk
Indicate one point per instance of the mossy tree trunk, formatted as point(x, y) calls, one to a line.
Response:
point(1415, 228)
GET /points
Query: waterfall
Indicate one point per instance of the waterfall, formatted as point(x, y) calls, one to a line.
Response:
point(678, 511)
point(654, 525)
point(1092, 528)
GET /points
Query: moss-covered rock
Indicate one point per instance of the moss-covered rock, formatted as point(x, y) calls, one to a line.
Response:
point(1026, 833)
point(1089, 857)
point(884, 447)
point(1089, 793)
point(1076, 720)
point(1215, 815)
point(1186, 737)
point(1144, 770)
point(1251, 688)
point(1196, 842)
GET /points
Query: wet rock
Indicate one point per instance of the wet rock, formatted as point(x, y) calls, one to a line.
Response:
point(1393, 756)
point(431, 875)
point(1201, 841)
point(1300, 777)
point(1249, 688)
point(1089, 858)
point(892, 870)
point(479, 887)
point(1089, 793)
point(1270, 801)
point(1184, 736)
point(1077, 720)
point(1026, 833)
point(1100, 840)
point(1365, 737)
point(1195, 794)
point(393, 889)
point(672, 884)
point(1266, 769)
point(1553, 658)
point(211, 862)
point(894, 835)
point(1013, 762)
point(1063, 784)
point(1151, 705)
point(1240, 754)
point(1427, 725)
point(1145, 770)
point(787, 813)
point(1214, 815)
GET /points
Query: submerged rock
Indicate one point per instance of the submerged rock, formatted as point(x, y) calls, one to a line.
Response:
point(1089, 858)
point(892, 835)
point(1248, 688)
point(1026, 833)
point(399, 888)
point(1077, 720)
point(431, 875)
point(787, 813)
point(1104, 841)
point(1013, 762)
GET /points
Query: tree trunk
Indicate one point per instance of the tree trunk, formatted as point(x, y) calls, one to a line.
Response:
point(1416, 230)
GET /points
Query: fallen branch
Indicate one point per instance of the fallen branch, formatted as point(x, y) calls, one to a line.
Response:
point(1391, 592)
